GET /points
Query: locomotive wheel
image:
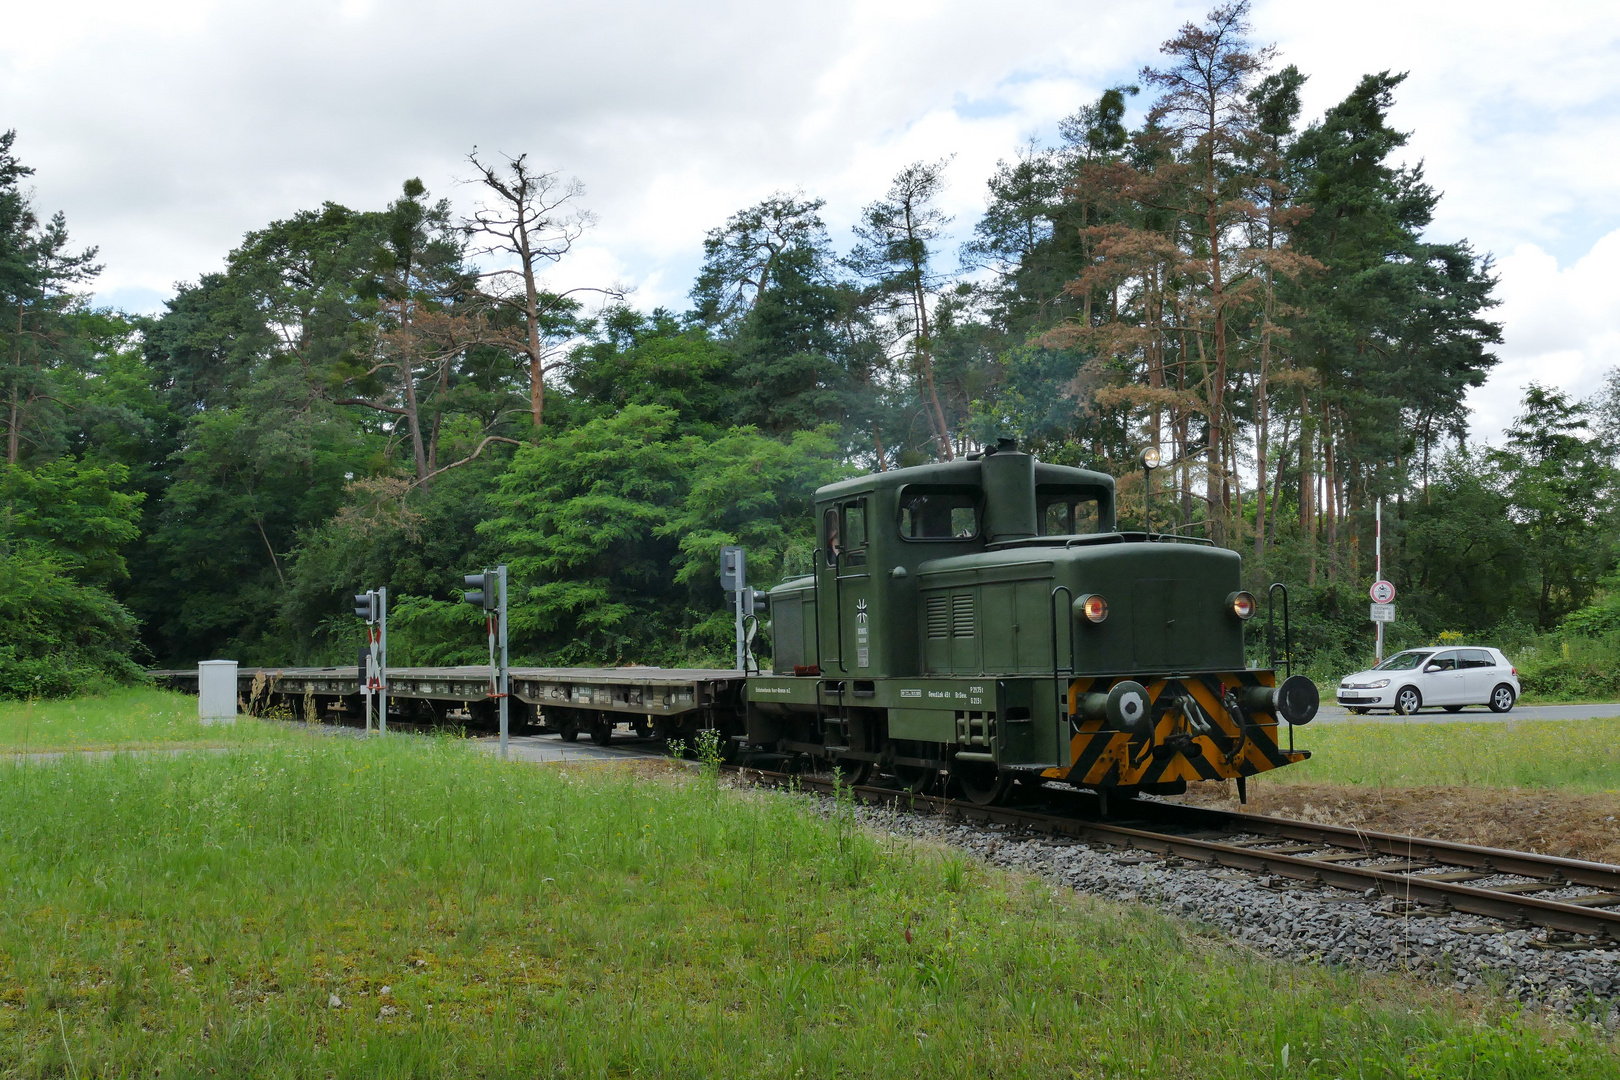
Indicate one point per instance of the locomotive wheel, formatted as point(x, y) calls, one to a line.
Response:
point(569, 731)
point(983, 785)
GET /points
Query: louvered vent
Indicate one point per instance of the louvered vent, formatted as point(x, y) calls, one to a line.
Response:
point(939, 621)
point(962, 615)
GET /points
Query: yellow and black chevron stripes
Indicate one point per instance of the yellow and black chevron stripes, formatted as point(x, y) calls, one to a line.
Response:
point(1194, 736)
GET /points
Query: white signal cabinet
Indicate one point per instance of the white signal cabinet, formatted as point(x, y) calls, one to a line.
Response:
point(216, 691)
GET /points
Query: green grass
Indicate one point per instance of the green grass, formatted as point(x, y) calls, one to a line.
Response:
point(129, 719)
point(192, 915)
point(1576, 755)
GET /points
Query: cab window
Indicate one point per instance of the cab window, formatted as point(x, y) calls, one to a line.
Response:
point(939, 513)
point(855, 524)
point(1065, 512)
point(829, 526)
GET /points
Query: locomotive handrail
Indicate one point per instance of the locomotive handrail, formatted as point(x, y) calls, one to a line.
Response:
point(815, 588)
point(1271, 628)
point(1051, 610)
point(838, 611)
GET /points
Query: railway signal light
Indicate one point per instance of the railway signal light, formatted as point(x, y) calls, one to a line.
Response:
point(733, 569)
point(483, 591)
point(372, 606)
point(487, 590)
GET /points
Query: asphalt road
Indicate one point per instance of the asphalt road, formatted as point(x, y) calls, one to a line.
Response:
point(549, 748)
point(1332, 714)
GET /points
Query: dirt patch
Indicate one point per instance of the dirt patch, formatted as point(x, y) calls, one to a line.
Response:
point(1574, 826)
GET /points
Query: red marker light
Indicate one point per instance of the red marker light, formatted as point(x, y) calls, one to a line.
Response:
point(1243, 604)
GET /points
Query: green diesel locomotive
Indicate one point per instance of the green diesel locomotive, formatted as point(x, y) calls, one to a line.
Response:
point(982, 623)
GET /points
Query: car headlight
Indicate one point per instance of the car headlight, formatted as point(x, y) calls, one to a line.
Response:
point(1379, 685)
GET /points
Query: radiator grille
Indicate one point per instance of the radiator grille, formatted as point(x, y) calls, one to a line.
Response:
point(962, 615)
point(939, 621)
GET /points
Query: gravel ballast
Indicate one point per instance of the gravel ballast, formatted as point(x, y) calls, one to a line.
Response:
point(1279, 917)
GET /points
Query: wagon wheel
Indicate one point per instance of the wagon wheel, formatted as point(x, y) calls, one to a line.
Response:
point(602, 731)
point(569, 731)
point(644, 727)
point(914, 778)
point(854, 771)
point(982, 783)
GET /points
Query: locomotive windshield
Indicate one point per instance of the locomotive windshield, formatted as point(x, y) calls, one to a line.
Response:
point(1065, 511)
point(937, 513)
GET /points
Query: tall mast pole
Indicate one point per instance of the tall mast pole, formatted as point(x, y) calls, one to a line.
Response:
point(1378, 570)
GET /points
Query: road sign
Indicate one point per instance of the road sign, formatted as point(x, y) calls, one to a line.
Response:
point(1383, 612)
point(1382, 592)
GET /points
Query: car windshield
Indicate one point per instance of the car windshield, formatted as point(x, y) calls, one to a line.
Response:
point(1405, 661)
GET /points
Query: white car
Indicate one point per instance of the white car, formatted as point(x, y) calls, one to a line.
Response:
point(1449, 677)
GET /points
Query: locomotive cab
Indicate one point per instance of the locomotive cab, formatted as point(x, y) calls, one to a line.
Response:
point(984, 622)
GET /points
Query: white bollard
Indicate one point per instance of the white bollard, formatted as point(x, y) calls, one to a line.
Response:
point(216, 691)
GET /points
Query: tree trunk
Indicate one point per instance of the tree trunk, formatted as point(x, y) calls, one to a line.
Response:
point(407, 375)
point(925, 356)
point(1276, 491)
point(1261, 422)
point(13, 438)
point(531, 312)
point(1217, 391)
point(1330, 487)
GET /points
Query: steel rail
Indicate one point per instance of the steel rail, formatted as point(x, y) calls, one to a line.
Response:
point(1473, 900)
point(1447, 852)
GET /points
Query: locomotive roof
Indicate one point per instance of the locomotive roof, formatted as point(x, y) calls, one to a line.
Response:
point(964, 472)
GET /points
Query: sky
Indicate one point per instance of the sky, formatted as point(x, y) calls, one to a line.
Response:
point(166, 130)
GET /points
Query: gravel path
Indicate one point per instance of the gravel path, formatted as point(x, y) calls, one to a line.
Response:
point(1278, 917)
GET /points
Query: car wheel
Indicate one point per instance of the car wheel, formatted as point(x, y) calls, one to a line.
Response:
point(1454, 708)
point(1502, 698)
point(1408, 700)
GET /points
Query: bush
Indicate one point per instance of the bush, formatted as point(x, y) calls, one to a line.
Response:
point(58, 637)
point(1571, 668)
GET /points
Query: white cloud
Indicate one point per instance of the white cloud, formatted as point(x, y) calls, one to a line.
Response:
point(167, 128)
point(1561, 327)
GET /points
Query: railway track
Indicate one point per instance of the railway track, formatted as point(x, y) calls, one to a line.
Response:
point(1425, 876)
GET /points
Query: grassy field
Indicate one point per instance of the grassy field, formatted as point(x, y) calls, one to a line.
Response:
point(1574, 755)
point(128, 719)
point(411, 907)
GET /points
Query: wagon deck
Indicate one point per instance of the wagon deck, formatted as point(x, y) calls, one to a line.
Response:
point(641, 691)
